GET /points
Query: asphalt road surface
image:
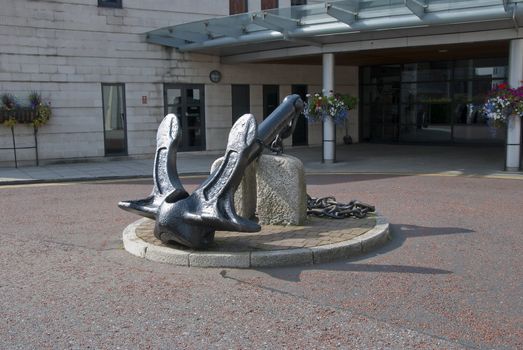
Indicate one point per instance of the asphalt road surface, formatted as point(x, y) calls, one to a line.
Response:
point(451, 278)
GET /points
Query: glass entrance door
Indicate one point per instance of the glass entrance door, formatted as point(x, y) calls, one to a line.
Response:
point(186, 101)
point(430, 102)
point(115, 125)
point(299, 137)
point(271, 99)
point(384, 121)
point(241, 101)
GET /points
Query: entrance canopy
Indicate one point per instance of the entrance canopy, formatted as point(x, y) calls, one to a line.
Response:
point(311, 29)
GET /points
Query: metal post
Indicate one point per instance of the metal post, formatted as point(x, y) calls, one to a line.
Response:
point(329, 130)
point(14, 145)
point(513, 154)
point(35, 131)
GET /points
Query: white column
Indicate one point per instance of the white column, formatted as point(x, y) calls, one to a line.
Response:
point(515, 75)
point(329, 130)
point(513, 143)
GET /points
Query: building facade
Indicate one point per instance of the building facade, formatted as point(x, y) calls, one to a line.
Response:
point(109, 88)
point(112, 69)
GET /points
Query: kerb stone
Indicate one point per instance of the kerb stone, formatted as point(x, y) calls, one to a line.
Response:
point(167, 255)
point(338, 251)
point(217, 259)
point(378, 236)
point(288, 257)
point(131, 242)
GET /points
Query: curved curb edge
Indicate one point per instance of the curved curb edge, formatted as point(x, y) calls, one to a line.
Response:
point(373, 238)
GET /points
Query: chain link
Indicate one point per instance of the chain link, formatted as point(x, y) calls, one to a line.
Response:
point(329, 207)
point(277, 145)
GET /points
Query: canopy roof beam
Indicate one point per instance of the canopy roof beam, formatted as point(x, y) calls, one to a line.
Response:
point(417, 7)
point(213, 29)
point(165, 40)
point(274, 22)
point(345, 15)
point(189, 36)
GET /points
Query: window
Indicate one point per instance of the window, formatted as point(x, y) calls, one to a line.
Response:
point(299, 136)
point(271, 99)
point(269, 4)
point(298, 2)
point(187, 102)
point(431, 102)
point(240, 101)
point(110, 3)
point(237, 6)
point(115, 125)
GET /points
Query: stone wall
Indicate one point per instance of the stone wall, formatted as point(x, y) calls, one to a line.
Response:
point(66, 49)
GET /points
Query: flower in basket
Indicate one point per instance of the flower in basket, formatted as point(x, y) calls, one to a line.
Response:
point(8, 102)
point(10, 122)
point(502, 102)
point(336, 106)
point(43, 110)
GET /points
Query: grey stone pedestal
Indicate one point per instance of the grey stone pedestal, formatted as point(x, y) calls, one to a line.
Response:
point(281, 190)
point(274, 188)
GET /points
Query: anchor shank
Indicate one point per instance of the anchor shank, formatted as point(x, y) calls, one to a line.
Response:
point(281, 121)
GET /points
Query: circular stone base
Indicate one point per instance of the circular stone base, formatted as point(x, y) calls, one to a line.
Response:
point(321, 240)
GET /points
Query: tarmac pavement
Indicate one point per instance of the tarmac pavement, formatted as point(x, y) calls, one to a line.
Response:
point(450, 278)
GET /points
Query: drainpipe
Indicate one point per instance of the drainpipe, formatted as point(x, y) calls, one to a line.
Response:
point(329, 129)
point(513, 153)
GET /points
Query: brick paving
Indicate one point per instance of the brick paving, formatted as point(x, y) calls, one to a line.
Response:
point(316, 232)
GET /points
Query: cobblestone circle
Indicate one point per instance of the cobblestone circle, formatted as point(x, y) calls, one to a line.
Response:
point(317, 232)
point(319, 241)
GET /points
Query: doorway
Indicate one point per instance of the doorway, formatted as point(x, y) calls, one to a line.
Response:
point(114, 119)
point(187, 102)
point(241, 101)
point(271, 99)
point(300, 135)
point(433, 102)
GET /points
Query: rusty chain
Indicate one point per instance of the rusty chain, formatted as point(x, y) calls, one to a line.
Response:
point(329, 207)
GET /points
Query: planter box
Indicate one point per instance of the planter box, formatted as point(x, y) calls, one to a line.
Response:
point(22, 115)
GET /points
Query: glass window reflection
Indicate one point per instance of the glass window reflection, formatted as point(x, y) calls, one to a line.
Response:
point(430, 101)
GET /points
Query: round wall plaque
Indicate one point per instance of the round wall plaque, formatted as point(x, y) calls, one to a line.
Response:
point(215, 76)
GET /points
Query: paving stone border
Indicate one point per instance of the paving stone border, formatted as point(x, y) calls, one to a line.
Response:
point(372, 238)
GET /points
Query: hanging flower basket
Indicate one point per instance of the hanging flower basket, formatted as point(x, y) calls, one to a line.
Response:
point(11, 113)
point(503, 102)
point(335, 106)
point(21, 115)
